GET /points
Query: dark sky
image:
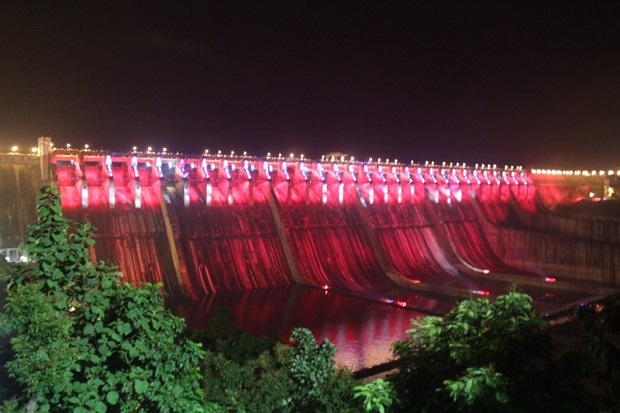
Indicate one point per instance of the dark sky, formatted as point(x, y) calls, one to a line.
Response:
point(523, 83)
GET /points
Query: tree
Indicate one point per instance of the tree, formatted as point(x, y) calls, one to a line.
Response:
point(377, 395)
point(242, 373)
point(248, 374)
point(82, 340)
point(600, 326)
point(483, 356)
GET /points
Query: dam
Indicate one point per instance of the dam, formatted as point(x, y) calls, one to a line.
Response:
point(288, 231)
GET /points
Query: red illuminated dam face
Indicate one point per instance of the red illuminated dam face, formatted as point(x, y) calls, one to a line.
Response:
point(210, 225)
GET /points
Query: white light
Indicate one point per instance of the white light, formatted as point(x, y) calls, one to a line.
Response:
point(149, 149)
point(164, 150)
point(135, 148)
point(86, 146)
point(34, 150)
point(14, 148)
point(68, 145)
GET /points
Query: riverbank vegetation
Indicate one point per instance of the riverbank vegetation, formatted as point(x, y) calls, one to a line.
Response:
point(78, 339)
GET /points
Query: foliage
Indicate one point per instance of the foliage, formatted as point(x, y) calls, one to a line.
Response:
point(483, 356)
point(600, 324)
point(377, 395)
point(310, 368)
point(257, 386)
point(274, 377)
point(84, 341)
point(478, 386)
point(224, 338)
point(45, 357)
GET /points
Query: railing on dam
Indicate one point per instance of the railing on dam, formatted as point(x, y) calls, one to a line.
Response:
point(97, 179)
point(12, 255)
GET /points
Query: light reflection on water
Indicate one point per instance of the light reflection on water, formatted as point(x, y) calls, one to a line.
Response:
point(362, 330)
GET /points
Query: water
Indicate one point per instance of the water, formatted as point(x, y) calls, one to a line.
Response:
point(362, 330)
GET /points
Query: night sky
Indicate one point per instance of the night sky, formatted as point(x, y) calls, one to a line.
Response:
point(517, 83)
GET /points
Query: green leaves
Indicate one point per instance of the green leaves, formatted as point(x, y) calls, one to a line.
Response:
point(44, 359)
point(476, 385)
point(112, 397)
point(445, 363)
point(377, 395)
point(274, 377)
point(141, 386)
point(84, 341)
point(123, 328)
point(100, 407)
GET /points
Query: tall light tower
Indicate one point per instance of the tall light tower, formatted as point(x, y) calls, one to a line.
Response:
point(44, 148)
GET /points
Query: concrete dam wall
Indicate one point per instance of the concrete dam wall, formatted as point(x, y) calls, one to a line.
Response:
point(215, 225)
point(20, 177)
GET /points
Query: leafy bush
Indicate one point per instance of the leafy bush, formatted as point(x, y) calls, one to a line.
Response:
point(600, 326)
point(254, 375)
point(82, 340)
point(377, 395)
point(483, 356)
